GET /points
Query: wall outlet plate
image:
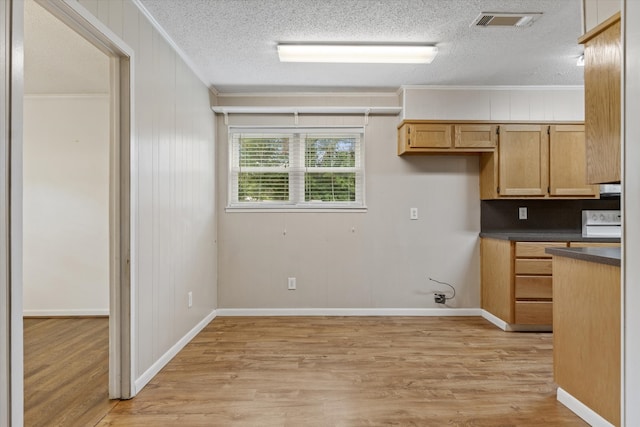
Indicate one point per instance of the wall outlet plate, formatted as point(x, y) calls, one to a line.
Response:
point(522, 213)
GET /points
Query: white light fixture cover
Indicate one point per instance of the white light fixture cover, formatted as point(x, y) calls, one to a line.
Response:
point(390, 54)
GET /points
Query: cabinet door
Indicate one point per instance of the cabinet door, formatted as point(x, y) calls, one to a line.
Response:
point(430, 136)
point(475, 136)
point(568, 162)
point(602, 56)
point(496, 273)
point(524, 160)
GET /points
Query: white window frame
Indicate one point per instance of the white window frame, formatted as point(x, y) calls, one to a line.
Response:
point(296, 201)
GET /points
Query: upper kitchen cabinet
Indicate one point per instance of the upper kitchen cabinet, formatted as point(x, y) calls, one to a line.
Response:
point(421, 137)
point(567, 168)
point(602, 69)
point(523, 164)
point(537, 161)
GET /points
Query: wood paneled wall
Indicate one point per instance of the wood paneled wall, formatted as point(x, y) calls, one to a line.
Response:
point(506, 103)
point(174, 224)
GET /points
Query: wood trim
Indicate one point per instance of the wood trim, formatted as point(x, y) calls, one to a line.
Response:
point(600, 28)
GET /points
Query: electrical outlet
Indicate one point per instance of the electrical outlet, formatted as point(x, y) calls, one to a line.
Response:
point(522, 213)
point(291, 284)
point(190, 295)
point(439, 298)
point(413, 213)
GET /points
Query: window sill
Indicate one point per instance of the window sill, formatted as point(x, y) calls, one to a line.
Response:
point(295, 210)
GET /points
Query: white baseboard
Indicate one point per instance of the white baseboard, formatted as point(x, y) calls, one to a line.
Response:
point(508, 327)
point(581, 410)
point(66, 313)
point(495, 320)
point(222, 312)
point(144, 379)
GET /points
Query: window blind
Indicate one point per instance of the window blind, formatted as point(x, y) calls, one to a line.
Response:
point(296, 167)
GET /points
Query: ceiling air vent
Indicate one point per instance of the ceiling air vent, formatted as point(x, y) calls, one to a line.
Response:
point(502, 19)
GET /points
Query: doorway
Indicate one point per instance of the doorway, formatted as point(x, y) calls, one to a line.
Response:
point(119, 213)
point(66, 170)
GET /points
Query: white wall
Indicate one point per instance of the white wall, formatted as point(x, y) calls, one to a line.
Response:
point(377, 259)
point(66, 205)
point(597, 11)
point(493, 103)
point(386, 260)
point(174, 240)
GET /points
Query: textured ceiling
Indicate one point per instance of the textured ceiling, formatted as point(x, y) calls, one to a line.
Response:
point(233, 42)
point(57, 60)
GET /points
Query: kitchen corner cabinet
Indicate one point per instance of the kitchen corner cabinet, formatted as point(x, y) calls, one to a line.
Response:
point(415, 137)
point(516, 282)
point(537, 161)
point(602, 75)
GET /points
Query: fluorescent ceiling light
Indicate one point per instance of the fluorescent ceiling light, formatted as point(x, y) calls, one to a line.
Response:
point(391, 54)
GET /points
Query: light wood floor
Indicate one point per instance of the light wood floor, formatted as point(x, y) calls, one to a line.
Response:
point(354, 371)
point(66, 370)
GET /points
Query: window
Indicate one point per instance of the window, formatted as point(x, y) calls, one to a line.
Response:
point(295, 168)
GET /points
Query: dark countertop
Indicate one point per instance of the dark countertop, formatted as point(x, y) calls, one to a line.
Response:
point(546, 236)
point(610, 256)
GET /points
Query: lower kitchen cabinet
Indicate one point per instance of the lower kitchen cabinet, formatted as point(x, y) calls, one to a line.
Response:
point(517, 281)
point(586, 335)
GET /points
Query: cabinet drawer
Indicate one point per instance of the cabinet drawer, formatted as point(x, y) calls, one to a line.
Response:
point(536, 249)
point(534, 287)
point(539, 267)
point(534, 313)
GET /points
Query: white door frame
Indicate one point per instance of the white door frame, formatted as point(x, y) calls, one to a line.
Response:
point(120, 294)
point(11, 76)
point(121, 357)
